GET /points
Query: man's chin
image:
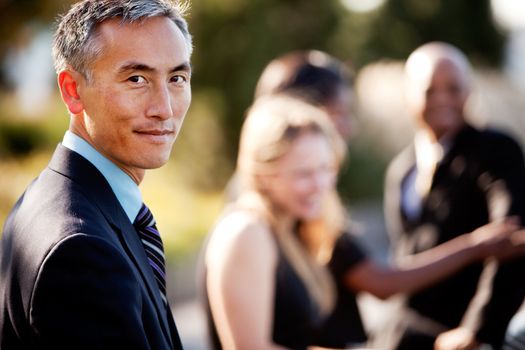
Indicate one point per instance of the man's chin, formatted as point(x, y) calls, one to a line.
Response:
point(445, 125)
point(155, 163)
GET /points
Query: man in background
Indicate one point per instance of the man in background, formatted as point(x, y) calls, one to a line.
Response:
point(452, 179)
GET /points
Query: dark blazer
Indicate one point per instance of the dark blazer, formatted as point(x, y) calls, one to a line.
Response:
point(74, 274)
point(481, 178)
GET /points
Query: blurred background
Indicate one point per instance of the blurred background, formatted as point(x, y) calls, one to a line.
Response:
point(234, 40)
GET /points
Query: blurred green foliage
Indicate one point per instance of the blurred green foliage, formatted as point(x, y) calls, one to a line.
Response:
point(402, 25)
point(361, 176)
point(20, 138)
point(21, 134)
point(234, 39)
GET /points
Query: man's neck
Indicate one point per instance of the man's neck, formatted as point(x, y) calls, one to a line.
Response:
point(137, 175)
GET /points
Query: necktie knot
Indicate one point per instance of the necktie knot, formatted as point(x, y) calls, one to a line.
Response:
point(144, 218)
point(152, 243)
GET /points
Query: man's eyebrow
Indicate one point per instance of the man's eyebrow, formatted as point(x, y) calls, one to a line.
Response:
point(185, 67)
point(135, 66)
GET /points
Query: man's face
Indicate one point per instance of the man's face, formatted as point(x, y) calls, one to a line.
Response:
point(438, 97)
point(139, 93)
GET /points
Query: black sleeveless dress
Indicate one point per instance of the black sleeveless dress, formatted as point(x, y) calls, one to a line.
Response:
point(297, 323)
point(344, 326)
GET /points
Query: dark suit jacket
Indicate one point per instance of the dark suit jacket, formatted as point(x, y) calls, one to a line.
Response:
point(74, 274)
point(480, 178)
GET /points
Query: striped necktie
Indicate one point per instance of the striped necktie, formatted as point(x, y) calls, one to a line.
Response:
point(150, 237)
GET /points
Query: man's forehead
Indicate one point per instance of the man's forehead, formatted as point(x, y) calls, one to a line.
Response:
point(421, 68)
point(426, 58)
point(139, 42)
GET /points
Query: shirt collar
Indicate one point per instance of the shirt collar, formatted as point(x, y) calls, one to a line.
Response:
point(125, 189)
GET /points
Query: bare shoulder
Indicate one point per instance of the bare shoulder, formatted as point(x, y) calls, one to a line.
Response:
point(241, 233)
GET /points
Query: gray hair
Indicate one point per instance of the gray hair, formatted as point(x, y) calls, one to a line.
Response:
point(73, 43)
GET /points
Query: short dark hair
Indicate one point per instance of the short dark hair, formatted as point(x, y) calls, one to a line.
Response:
point(312, 75)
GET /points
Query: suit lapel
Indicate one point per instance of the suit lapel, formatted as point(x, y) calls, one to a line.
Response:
point(135, 250)
point(445, 176)
point(76, 167)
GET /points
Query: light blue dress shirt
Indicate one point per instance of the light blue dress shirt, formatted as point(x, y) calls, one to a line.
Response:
point(125, 189)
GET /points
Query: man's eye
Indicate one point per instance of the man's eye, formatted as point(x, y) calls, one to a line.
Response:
point(136, 79)
point(179, 79)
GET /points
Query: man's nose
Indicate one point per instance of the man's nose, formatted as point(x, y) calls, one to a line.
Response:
point(161, 103)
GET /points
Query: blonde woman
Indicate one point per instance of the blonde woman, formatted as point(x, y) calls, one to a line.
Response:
point(277, 255)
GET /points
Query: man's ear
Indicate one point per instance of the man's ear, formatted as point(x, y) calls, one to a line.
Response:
point(67, 83)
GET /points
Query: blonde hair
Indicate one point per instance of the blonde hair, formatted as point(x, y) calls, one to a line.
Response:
point(271, 126)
